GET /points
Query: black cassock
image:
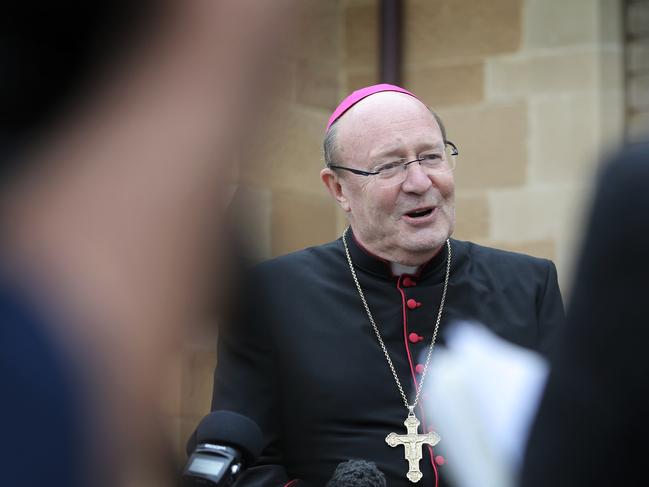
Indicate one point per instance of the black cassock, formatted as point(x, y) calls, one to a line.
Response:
point(303, 361)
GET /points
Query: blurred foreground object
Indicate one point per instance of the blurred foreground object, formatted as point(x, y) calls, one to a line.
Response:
point(119, 127)
point(483, 393)
point(592, 427)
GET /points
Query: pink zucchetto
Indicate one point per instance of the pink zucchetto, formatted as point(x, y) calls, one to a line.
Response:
point(358, 95)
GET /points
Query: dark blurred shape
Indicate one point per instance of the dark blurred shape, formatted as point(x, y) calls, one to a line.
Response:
point(357, 473)
point(50, 53)
point(41, 401)
point(119, 121)
point(592, 426)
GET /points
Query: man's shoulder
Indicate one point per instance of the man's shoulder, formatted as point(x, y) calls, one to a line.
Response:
point(309, 258)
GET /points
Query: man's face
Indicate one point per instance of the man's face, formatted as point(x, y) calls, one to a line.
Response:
point(407, 222)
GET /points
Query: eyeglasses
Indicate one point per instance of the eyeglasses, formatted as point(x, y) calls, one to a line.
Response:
point(391, 173)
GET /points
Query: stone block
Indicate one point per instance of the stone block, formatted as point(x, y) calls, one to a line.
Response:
point(639, 92)
point(546, 249)
point(261, 147)
point(472, 216)
point(612, 119)
point(638, 127)
point(317, 84)
point(460, 29)
point(535, 214)
point(557, 23)
point(354, 81)
point(197, 380)
point(341, 221)
point(361, 33)
point(301, 220)
point(288, 153)
point(611, 26)
point(296, 155)
point(446, 85)
point(638, 56)
point(318, 30)
point(564, 137)
point(637, 18)
point(492, 142)
point(611, 69)
point(542, 73)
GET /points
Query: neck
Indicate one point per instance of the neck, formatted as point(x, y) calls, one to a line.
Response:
point(397, 256)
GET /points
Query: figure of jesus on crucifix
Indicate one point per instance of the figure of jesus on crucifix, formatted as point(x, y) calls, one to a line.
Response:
point(413, 443)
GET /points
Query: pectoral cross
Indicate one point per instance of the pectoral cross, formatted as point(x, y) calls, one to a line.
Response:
point(413, 444)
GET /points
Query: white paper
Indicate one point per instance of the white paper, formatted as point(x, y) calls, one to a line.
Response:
point(482, 395)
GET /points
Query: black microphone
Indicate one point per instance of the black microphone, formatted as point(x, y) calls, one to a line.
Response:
point(357, 473)
point(223, 445)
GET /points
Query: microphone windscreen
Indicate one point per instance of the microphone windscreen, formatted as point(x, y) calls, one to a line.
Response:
point(232, 429)
point(357, 473)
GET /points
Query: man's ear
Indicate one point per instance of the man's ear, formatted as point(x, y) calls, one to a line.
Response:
point(331, 181)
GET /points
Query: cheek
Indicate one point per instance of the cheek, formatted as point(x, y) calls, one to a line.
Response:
point(447, 190)
point(446, 186)
point(386, 202)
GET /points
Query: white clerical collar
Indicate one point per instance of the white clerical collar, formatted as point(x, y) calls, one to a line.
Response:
point(399, 269)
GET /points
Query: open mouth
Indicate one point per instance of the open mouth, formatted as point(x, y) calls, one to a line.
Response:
point(420, 213)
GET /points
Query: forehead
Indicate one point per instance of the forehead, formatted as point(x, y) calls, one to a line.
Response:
point(386, 121)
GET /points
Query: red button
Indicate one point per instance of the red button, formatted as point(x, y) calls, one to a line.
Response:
point(414, 338)
point(419, 368)
point(411, 303)
point(408, 282)
point(439, 460)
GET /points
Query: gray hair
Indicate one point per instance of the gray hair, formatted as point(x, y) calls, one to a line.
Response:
point(329, 144)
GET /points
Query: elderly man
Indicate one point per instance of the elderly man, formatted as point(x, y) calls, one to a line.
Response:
point(331, 352)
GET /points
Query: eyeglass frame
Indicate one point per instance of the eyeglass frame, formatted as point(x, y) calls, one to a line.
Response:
point(360, 172)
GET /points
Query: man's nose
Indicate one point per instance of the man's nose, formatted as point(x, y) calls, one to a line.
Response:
point(417, 181)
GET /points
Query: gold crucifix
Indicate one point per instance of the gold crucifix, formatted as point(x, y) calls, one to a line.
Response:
point(413, 444)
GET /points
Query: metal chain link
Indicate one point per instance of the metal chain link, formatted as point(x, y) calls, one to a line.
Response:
point(378, 334)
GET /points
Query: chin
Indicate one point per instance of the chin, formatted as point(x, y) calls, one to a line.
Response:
point(419, 252)
point(427, 240)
